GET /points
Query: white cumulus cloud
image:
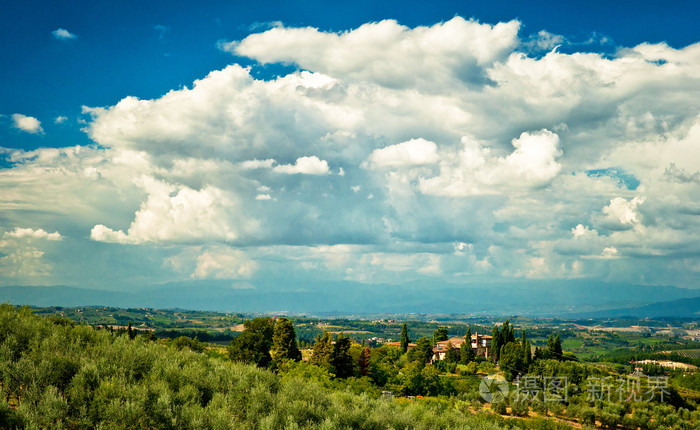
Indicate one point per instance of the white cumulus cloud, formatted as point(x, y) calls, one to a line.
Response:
point(20, 232)
point(257, 164)
point(385, 52)
point(474, 170)
point(175, 214)
point(23, 257)
point(623, 211)
point(26, 123)
point(444, 134)
point(223, 263)
point(413, 152)
point(305, 165)
point(63, 34)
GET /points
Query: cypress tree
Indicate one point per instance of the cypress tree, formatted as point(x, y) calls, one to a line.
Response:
point(507, 333)
point(554, 347)
point(527, 353)
point(404, 338)
point(341, 360)
point(550, 342)
point(467, 353)
point(558, 352)
point(525, 345)
point(130, 331)
point(323, 349)
point(284, 341)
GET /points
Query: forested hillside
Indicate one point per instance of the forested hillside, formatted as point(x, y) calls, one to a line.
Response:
point(55, 374)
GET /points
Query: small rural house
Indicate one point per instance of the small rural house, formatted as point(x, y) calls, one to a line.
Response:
point(480, 344)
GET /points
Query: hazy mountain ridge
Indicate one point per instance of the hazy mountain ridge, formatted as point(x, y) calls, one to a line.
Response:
point(551, 298)
point(681, 308)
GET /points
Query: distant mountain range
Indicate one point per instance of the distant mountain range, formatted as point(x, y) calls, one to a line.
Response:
point(680, 308)
point(529, 298)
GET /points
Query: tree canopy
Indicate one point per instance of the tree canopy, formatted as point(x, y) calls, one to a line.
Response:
point(284, 341)
point(439, 335)
point(253, 344)
point(422, 352)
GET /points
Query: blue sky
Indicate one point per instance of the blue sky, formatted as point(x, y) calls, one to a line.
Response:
point(367, 141)
point(145, 49)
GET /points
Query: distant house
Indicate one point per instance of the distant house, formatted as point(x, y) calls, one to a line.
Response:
point(480, 344)
point(442, 346)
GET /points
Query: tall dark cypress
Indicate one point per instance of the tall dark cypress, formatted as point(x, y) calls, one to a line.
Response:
point(322, 351)
point(558, 352)
point(507, 333)
point(284, 341)
point(527, 355)
point(404, 338)
point(466, 352)
point(341, 360)
point(550, 347)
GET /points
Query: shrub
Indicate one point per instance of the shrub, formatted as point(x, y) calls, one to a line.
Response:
point(500, 407)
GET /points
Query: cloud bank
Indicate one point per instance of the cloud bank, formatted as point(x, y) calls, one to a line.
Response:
point(459, 151)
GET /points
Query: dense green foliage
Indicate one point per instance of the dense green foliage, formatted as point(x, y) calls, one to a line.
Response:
point(284, 341)
point(422, 352)
point(57, 375)
point(253, 345)
point(440, 334)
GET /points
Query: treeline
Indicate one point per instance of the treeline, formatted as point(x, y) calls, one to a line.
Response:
point(55, 374)
point(583, 393)
point(625, 356)
point(201, 335)
point(309, 328)
point(403, 371)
